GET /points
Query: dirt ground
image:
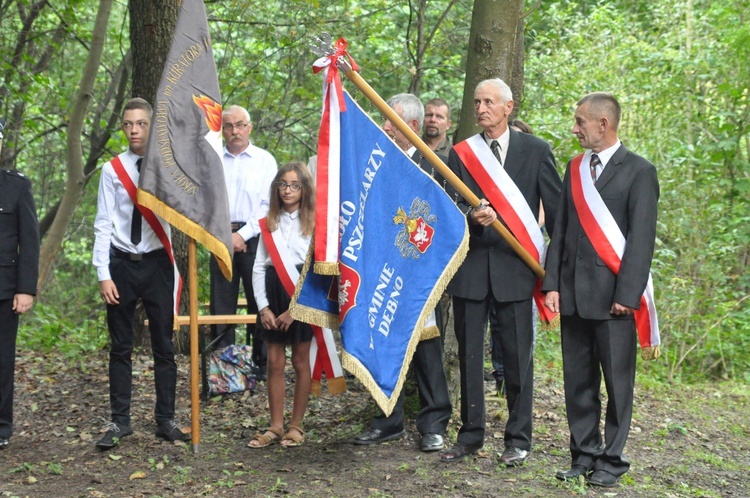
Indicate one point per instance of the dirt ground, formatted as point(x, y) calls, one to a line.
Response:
point(685, 441)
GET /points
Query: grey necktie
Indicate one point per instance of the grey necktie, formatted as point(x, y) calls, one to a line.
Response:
point(135, 224)
point(592, 166)
point(495, 146)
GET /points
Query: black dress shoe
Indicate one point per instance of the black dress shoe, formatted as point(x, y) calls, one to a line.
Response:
point(514, 456)
point(170, 431)
point(458, 452)
point(431, 442)
point(572, 473)
point(602, 478)
point(114, 435)
point(377, 436)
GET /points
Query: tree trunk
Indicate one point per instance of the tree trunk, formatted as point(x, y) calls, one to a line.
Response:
point(517, 78)
point(492, 43)
point(75, 178)
point(152, 24)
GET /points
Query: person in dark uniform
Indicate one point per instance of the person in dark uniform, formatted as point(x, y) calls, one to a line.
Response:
point(132, 260)
point(19, 270)
point(427, 362)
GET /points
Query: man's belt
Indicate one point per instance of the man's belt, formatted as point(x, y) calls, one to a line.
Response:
point(116, 253)
point(236, 225)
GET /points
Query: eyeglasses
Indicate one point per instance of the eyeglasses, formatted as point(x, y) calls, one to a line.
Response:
point(232, 127)
point(282, 186)
point(140, 124)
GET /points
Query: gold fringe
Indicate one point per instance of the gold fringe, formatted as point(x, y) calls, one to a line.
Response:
point(650, 353)
point(191, 229)
point(326, 268)
point(428, 333)
point(336, 385)
point(306, 314)
point(553, 325)
point(315, 388)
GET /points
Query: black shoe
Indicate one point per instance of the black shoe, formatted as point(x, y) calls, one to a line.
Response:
point(572, 473)
point(170, 431)
point(377, 436)
point(431, 442)
point(113, 436)
point(602, 478)
point(458, 452)
point(3, 443)
point(514, 456)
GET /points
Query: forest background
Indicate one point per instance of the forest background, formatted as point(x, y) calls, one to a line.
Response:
point(679, 68)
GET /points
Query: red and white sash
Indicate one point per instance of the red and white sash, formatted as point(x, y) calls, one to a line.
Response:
point(609, 243)
point(323, 356)
point(154, 223)
point(506, 198)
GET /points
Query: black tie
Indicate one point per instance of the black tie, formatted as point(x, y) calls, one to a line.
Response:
point(495, 146)
point(135, 225)
point(592, 166)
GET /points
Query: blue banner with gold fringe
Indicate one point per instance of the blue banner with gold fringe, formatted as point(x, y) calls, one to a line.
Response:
point(401, 241)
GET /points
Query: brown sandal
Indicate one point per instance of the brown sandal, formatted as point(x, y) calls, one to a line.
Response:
point(265, 440)
point(293, 439)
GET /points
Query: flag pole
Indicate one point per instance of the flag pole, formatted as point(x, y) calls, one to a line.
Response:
point(194, 352)
point(444, 170)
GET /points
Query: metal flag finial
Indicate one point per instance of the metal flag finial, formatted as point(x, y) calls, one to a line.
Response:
point(322, 45)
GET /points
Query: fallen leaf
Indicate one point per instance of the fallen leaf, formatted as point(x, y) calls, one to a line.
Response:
point(114, 457)
point(139, 474)
point(31, 479)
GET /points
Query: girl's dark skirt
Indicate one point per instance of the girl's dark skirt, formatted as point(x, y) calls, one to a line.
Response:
point(278, 302)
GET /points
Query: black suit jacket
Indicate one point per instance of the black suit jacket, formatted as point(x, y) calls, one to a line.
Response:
point(19, 236)
point(429, 168)
point(491, 264)
point(630, 189)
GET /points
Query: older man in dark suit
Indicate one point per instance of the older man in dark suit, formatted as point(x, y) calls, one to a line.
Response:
point(493, 275)
point(19, 269)
point(596, 304)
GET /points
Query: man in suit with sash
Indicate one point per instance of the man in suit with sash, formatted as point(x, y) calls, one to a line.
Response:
point(597, 270)
point(510, 172)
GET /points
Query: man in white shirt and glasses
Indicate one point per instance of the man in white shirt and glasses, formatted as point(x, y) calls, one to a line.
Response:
point(249, 172)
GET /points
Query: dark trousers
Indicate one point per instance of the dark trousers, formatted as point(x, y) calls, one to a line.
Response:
point(516, 342)
point(8, 331)
point(590, 348)
point(224, 296)
point(152, 281)
point(495, 351)
point(434, 398)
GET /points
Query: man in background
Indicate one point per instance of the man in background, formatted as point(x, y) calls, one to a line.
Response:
point(249, 172)
point(437, 122)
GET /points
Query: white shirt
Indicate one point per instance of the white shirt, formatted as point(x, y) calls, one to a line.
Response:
point(297, 244)
point(604, 157)
point(114, 214)
point(249, 175)
point(503, 141)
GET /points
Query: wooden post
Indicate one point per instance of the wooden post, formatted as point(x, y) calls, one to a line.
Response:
point(444, 170)
point(194, 350)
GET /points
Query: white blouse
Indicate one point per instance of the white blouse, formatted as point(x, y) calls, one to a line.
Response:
point(297, 245)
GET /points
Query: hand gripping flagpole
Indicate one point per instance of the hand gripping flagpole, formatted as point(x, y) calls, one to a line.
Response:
point(340, 60)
